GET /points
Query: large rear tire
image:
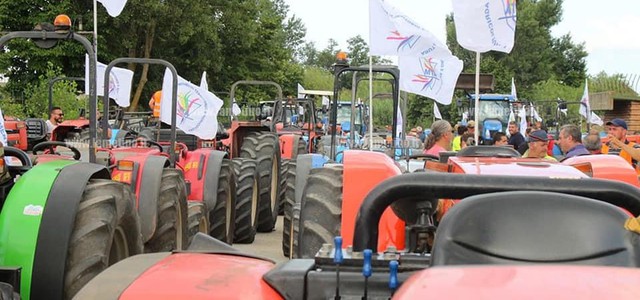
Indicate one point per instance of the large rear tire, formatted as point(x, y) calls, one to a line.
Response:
point(222, 216)
point(197, 219)
point(321, 210)
point(248, 192)
point(283, 185)
point(171, 229)
point(264, 147)
point(106, 230)
point(289, 202)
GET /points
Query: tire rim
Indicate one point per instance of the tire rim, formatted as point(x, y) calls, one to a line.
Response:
point(203, 225)
point(119, 247)
point(275, 183)
point(255, 196)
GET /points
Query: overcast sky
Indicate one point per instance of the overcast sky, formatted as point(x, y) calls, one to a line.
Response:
point(609, 29)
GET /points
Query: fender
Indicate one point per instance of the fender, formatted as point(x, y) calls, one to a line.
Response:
point(148, 193)
point(363, 170)
point(611, 167)
point(39, 245)
point(212, 166)
point(288, 145)
point(304, 164)
point(196, 166)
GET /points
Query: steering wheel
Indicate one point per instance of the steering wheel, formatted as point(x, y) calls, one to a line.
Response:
point(427, 156)
point(148, 143)
point(51, 144)
point(20, 155)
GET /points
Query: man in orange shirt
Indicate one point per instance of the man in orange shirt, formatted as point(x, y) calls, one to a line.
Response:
point(154, 103)
point(618, 143)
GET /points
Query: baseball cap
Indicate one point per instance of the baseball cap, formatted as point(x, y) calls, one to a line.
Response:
point(618, 123)
point(419, 128)
point(471, 124)
point(538, 136)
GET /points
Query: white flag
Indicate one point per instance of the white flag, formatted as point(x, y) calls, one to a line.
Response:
point(203, 81)
point(300, 91)
point(523, 119)
point(484, 25)
point(595, 119)
point(393, 33)
point(535, 115)
point(196, 111)
point(3, 131)
point(513, 90)
point(429, 76)
point(465, 116)
point(584, 102)
point(120, 82)
point(114, 7)
point(399, 121)
point(235, 109)
point(436, 111)
point(325, 101)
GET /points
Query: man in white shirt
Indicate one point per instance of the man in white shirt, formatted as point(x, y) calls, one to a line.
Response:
point(55, 117)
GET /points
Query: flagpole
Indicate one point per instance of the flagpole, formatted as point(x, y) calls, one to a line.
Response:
point(371, 103)
point(477, 100)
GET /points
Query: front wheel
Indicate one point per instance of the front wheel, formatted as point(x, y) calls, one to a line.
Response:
point(106, 230)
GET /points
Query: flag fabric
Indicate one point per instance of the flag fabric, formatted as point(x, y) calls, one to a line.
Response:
point(513, 89)
point(484, 25)
point(522, 113)
point(3, 131)
point(300, 91)
point(436, 111)
point(120, 82)
point(595, 119)
point(465, 116)
point(235, 109)
point(203, 81)
point(393, 33)
point(325, 101)
point(534, 114)
point(429, 76)
point(114, 7)
point(585, 107)
point(399, 121)
point(196, 111)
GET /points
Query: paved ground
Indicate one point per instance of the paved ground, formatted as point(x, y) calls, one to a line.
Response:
point(267, 244)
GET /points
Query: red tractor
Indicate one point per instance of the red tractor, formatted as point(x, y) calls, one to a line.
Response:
point(519, 236)
point(199, 184)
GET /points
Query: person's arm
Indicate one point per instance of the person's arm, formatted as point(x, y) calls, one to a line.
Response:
point(634, 152)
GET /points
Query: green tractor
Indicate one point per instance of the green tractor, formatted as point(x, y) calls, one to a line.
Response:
point(61, 222)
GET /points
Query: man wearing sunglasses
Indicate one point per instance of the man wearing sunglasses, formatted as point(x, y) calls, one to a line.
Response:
point(55, 117)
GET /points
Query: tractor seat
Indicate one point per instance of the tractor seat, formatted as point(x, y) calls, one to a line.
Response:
point(535, 227)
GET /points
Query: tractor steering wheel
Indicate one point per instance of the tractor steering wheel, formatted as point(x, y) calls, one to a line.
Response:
point(25, 161)
point(425, 156)
point(148, 143)
point(51, 144)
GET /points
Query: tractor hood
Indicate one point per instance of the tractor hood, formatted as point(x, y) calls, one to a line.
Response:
point(513, 166)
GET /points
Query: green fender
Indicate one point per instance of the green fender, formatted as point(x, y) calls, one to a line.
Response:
point(21, 219)
point(21, 215)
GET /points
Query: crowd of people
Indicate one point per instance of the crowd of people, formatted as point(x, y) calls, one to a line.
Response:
point(536, 142)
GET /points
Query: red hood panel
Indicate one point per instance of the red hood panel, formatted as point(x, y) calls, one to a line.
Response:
point(523, 282)
point(203, 276)
point(515, 166)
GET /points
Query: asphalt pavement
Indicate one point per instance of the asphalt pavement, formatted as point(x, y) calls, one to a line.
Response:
point(268, 245)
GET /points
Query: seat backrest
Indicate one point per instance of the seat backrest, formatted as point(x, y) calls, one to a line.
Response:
point(165, 136)
point(535, 227)
point(488, 151)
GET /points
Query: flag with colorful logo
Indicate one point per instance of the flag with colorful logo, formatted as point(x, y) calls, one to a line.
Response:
point(393, 33)
point(113, 7)
point(120, 82)
point(429, 76)
point(485, 25)
point(585, 107)
point(196, 110)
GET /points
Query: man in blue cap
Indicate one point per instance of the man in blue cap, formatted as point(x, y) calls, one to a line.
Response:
point(618, 143)
point(538, 143)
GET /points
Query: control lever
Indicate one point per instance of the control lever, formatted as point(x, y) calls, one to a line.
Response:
point(366, 270)
point(393, 276)
point(337, 259)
